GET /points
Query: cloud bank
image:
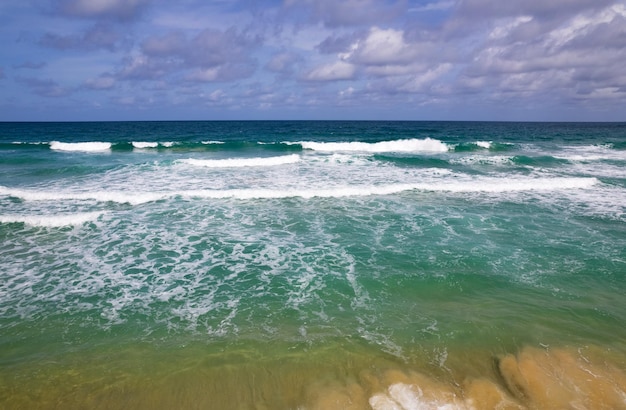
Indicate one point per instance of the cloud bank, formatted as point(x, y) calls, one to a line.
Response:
point(361, 59)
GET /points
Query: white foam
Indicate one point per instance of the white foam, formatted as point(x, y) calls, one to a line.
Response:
point(461, 185)
point(405, 145)
point(401, 396)
point(243, 162)
point(591, 153)
point(495, 185)
point(133, 198)
point(484, 144)
point(80, 146)
point(143, 145)
point(51, 221)
point(482, 159)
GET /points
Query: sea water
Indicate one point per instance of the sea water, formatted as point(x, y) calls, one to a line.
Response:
point(312, 265)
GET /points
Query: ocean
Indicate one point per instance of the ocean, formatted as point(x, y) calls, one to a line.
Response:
point(312, 265)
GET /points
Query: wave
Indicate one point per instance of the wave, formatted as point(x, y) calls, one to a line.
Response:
point(80, 146)
point(415, 161)
point(144, 145)
point(405, 145)
point(133, 198)
point(477, 185)
point(52, 221)
point(592, 153)
point(242, 162)
point(542, 160)
point(482, 146)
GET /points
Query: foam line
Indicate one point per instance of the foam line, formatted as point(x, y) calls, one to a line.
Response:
point(52, 221)
point(242, 162)
point(483, 185)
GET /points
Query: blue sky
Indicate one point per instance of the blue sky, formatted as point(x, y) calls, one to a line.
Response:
point(533, 60)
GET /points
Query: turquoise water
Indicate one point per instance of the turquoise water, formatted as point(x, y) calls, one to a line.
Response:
point(311, 264)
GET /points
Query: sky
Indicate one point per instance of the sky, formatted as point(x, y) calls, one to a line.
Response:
point(513, 60)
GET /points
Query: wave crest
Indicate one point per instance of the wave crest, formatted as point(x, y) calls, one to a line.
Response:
point(80, 146)
point(52, 221)
point(404, 145)
point(242, 162)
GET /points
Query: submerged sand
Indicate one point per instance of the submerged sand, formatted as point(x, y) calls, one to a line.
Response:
point(141, 378)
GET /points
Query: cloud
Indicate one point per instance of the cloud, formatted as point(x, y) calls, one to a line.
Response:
point(334, 13)
point(564, 56)
point(207, 49)
point(210, 55)
point(434, 6)
point(103, 82)
point(30, 65)
point(338, 43)
point(538, 8)
point(97, 37)
point(336, 71)
point(283, 62)
point(45, 87)
point(382, 47)
point(224, 72)
point(123, 10)
point(141, 67)
point(299, 54)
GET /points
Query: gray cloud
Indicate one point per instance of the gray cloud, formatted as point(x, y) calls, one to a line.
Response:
point(211, 55)
point(338, 44)
point(571, 56)
point(334, 13)
point(284, 62)
point(208, 49)
point(45, 87)
point(321, 53)
point(30, 65)
point(103, 82)
point(97, 37)
point(122, 10)
point(537, 8)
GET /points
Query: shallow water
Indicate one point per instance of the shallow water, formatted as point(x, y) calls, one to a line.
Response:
point(312, 265)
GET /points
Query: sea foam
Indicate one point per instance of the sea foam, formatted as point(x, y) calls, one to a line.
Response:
point(143, 145)
point(477, 185)
point(242, 162)
point(52, 221)
point(405, 145)
point(133, 198)
point(80, 146)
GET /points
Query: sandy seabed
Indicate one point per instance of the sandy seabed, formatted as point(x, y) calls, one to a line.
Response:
point(532, 378)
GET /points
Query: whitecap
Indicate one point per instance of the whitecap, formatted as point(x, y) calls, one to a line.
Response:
point(143, 145)
point(405, 145)
point(80, 146)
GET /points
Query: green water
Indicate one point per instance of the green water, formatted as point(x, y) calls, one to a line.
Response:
point(280, 265)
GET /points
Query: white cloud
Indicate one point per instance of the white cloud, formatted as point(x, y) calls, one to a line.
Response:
point(422, 81)
point(382, 46)
point(339, 70)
